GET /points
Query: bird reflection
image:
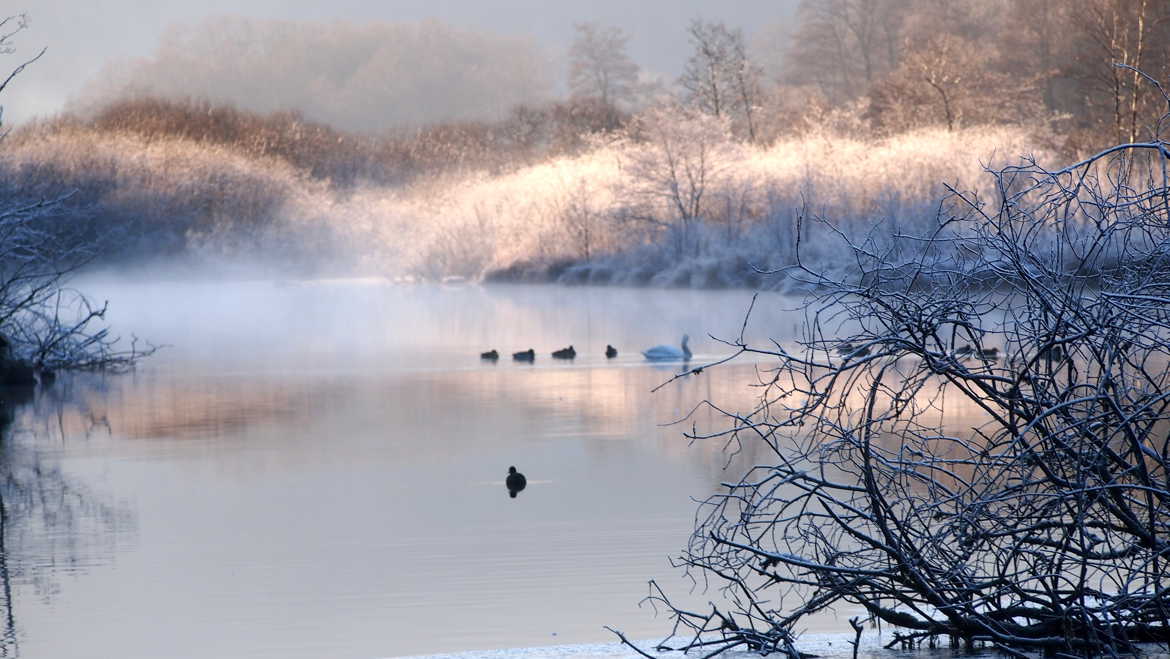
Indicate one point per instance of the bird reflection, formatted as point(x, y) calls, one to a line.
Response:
point(516, 482)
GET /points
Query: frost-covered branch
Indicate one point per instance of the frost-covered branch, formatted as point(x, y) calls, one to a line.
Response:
point(45, 325)
point(969, 439)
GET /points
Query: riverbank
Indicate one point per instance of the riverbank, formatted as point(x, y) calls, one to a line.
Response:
point(604, 214)
point(827, 646)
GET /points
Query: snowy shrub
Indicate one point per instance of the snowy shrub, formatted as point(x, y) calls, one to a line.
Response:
point(673, 200)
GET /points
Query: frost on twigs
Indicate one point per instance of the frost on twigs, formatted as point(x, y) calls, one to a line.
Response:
point(970, 440)
point(44, 324)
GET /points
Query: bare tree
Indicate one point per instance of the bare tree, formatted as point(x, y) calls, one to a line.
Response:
point(970, 438)
point(678, 157)
point(941, 70)
point(1132, 34)
point(719, 78)
point(746, 84)
point(583, 220)
point(10, 26)
point(844, 46)
point(947, 73)
point(599, 66)
point(941, 79)
point(1036, 35)
point(705, 76)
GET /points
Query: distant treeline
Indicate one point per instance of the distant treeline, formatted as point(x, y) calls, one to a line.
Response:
point(529, 134)
point(874, 105)
point(898, 64)
point(1069, 70)
point(1073, 72)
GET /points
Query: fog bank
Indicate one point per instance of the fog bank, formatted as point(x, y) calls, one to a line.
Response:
point(370, 77)
point(85, 38)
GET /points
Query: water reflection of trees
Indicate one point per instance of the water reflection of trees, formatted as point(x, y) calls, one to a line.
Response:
point(9, 400)
point(47, 520)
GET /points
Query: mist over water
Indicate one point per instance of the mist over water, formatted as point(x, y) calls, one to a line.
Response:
point(317, 468)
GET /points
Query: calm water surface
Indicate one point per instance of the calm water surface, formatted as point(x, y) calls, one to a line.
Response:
point(316, 470)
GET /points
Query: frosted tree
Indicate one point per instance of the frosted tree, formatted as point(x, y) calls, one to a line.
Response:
point(719, 79)
point(705, 76)
point(599, 67)
point(745, 83)
point(679, 157)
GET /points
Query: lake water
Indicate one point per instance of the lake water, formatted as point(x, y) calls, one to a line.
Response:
point(316, 469)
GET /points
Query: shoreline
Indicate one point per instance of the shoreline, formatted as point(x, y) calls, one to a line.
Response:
point(823, 645)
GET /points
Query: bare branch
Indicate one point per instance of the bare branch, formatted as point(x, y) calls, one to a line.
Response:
point(981, 452)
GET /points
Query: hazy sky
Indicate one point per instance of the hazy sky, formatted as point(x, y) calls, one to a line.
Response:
point(84, 36)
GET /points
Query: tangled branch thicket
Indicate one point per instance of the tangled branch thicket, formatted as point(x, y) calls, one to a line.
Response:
point(45, 325)
point(1042, 524)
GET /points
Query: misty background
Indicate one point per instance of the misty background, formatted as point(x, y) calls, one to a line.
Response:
point(655, 145)
point(95, 49)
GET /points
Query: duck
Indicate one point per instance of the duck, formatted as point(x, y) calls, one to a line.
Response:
point(46, 375)
point(669, 353)
point(490, 354)
point(610, 351)
point(515, 482)
point(565, 353)
point(1053, 353)
point(848, 349)
point(525, 356)
point(988, 354)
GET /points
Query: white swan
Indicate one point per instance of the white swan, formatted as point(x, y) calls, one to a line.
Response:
point(669, 353)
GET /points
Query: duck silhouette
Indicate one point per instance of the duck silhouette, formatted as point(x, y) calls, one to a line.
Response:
point(851, 350)
point(565, 353)
point(610, 351)
point(516, 482)
point(988, 354)
point(1053, 353)
point(525, 356)
point(490, 354)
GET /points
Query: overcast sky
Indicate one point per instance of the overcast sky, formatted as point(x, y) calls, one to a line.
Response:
point(83, 36)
